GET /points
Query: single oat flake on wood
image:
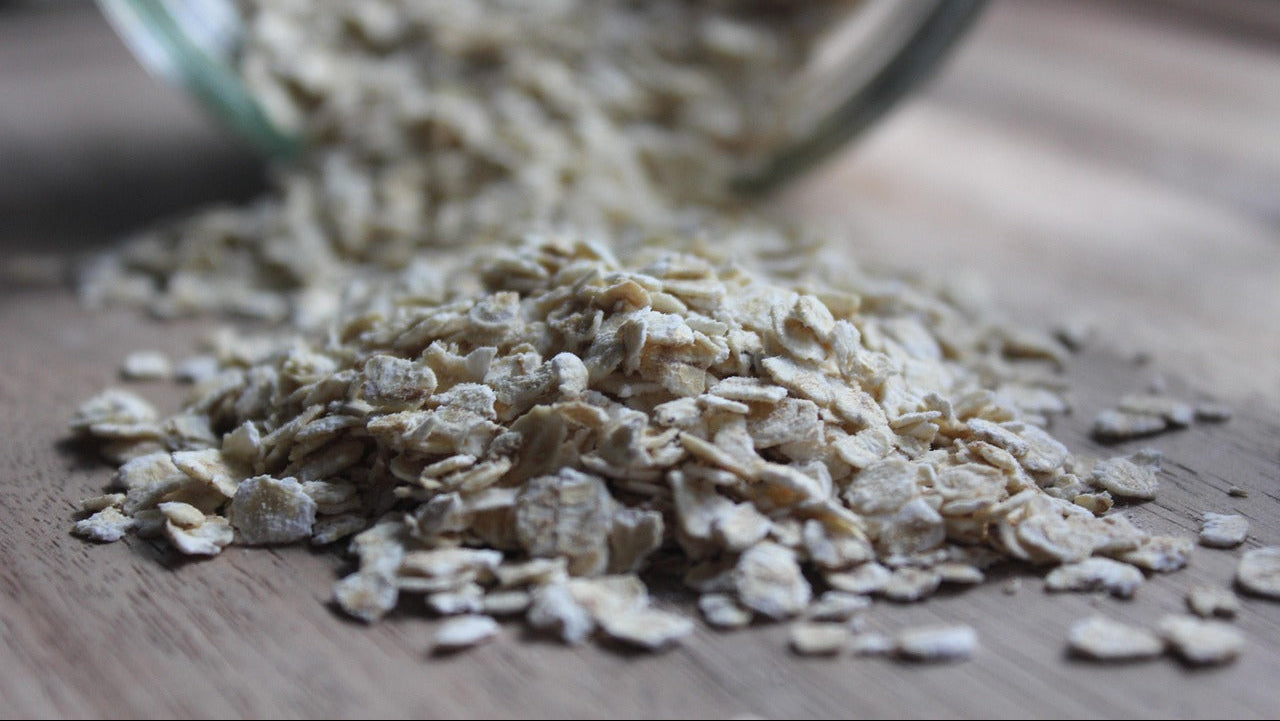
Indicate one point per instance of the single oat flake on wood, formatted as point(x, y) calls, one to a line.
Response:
point(1202, 642)
point(937, 643)
point(465, 631)
point(1211, 601)
point(1094, 574)
point(1101, 639)
point(1223, 530)
point(1259, 572)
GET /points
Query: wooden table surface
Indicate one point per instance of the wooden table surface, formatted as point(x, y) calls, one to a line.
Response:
point(1118, 162)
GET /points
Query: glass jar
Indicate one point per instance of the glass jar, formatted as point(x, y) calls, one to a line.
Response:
point(864, 65)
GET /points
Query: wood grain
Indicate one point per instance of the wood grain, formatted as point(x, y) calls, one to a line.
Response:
point(1072, 154)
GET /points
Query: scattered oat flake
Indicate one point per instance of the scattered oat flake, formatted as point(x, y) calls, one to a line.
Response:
point(1097, 503)
point(505, 603)
point(1094, 574)
point(741, 528)
point(554, 609)
point(442, 562)
point(1222, 530)
point(209, 466)
point(1116, 425)
point(604, 596)
point(911, 584)
point(1259, 572)
point(937, 643)
point(365, 595)
point(270, 511)
point(1101, 639)
point(722, 610)
point(769, 581)
point(98, 503)
point(113, 406)
point(819, 639)
point(1125, 479)
point(837, 606)
point(1201, 642)
point(105, 526)
point(648, 628)
point(196, 369)
point(1162, 554)
point(1049, 537)
point(866, 578)
point(566, 514)
point(870, 643)
point(466, 597)
point(465, 631)
point(146, 366)
point(181, 514)
point(534, 572)
point(206, 538)
point(1175, 412)
point(1211, 601)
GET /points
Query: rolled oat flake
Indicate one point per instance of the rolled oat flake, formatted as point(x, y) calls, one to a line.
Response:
point(1259, 572)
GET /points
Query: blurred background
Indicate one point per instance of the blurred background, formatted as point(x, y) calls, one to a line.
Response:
point(1097, 158)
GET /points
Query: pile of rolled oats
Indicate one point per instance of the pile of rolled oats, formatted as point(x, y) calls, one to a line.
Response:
point(528, 442)
point(533, 429)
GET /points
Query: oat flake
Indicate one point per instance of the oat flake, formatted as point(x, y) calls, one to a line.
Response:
point(937, 643)
point(1259, 572)
point(1102, 639)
